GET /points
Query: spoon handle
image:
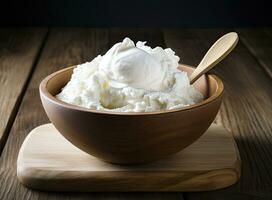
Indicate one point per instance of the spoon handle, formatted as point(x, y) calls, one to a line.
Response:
point(218, 51)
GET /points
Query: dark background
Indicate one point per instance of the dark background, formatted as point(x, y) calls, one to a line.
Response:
point(167, 13)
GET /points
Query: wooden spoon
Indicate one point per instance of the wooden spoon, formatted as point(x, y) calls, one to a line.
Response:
point(218, 51)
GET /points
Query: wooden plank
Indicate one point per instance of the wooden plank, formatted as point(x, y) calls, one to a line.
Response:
point(46, 162)
point(259, 43)
point(65, 47)
point(18, 50)
point(246, 110)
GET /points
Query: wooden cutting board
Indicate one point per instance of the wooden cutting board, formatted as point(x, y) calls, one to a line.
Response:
point(47, 161)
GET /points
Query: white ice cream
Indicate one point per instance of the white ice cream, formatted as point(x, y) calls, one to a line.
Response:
point(131, 78)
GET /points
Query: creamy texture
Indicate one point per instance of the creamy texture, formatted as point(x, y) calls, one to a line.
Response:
point(131, 78)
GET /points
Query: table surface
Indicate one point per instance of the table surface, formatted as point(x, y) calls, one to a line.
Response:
point(29, 54)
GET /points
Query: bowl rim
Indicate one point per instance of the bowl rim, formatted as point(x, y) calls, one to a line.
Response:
point(46, 94)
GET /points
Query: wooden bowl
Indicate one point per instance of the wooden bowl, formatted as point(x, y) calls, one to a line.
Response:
point(130, 138)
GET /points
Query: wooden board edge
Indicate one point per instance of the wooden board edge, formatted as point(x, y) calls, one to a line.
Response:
point(94, 183)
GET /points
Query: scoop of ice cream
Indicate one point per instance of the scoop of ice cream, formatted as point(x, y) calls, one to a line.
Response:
point(127, 65)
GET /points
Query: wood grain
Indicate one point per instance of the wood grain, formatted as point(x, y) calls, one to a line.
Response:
point(259, 43)
point(246, 110)
point(19, 49)
point(64, 47)
point(47, 160)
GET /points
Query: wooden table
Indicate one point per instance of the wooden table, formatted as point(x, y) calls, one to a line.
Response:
point(29, 54)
